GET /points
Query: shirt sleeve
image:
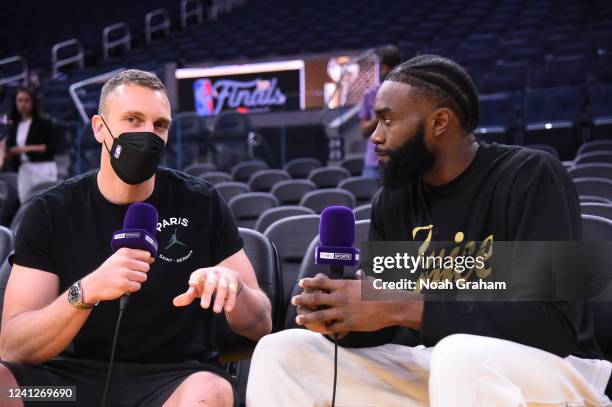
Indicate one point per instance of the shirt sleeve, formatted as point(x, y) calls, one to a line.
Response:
point(225, 238)
point(543, 207)
point(34, 240)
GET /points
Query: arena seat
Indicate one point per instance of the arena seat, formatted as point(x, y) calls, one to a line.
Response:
point(291, 191)
point(301, 167)
point(328, 177)
point(248, 206)
point(241, 172)
point(291, 237)
point(230, 189)
point(322, 198)
point(269, 216)
point(597, 209)
point(552, 116)
point(196, 169)
point(215, 177)
point(264, 180)
point(362, 188)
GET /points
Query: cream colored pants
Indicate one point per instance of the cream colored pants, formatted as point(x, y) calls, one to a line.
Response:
point(31, 174)
point(294, 368)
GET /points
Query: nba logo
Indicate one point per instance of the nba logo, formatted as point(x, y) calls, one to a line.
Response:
point(204, 97)
point(117, 152)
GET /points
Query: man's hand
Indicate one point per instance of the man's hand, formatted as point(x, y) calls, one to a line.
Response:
point(304, 309)
point(340, 308)
point(223, 282)
point(123, 272)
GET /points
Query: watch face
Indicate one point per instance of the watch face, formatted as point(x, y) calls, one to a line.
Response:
point(73, 295)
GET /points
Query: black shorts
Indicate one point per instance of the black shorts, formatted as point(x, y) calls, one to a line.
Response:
point(132, 384)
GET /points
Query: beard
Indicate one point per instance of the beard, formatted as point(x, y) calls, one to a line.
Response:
point(407, 162)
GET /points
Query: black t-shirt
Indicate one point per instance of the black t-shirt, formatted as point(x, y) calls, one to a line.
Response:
point(67, 231)
point(507, 193)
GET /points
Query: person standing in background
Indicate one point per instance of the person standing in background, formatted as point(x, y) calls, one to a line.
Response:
point(31, 143)
point(389, 57)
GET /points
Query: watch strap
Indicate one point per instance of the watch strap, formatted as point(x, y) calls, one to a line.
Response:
point(79, 304)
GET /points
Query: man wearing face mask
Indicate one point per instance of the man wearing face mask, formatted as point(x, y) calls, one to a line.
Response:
point(61, 299)
point(441, 185)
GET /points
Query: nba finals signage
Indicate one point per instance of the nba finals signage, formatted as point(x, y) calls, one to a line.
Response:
point(262, 87)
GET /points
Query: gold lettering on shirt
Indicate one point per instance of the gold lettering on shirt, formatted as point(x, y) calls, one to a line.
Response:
point(444, 270)
point(427, 240)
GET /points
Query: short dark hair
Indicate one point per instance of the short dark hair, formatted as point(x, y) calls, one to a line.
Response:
point(390, 55)
point(130, 76)
point(444, 81)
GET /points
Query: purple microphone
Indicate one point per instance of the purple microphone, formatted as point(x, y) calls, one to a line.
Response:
point(337, 237)
point(138, 229)
point(138, 233)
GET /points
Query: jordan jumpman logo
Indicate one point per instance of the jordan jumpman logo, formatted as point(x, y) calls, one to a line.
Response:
point(174, 240)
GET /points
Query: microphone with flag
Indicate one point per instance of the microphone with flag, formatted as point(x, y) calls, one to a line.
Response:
point(139, 227)
point(337, 239)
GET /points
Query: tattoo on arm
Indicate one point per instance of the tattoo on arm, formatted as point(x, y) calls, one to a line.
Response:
point(259, 316)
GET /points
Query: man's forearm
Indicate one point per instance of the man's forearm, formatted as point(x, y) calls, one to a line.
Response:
point(392, 315)
point(408, 314)
point(34, 337)
point(251, 317)
point(36, 148)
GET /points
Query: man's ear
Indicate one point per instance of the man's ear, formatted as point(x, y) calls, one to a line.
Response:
point(441, 121)
point(98, 127)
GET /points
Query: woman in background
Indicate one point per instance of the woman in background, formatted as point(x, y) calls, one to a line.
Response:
point(31, 143)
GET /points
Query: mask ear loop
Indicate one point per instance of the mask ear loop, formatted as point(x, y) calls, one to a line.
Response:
point(109, 132)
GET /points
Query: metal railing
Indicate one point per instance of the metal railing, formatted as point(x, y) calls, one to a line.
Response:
point(89, 81)
point(164, 24)
point(190, 9)
point(57, 63)
point(125, 40)
point(23, 75)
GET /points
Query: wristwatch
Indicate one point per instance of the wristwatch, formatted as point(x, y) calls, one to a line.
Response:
point(75, 297)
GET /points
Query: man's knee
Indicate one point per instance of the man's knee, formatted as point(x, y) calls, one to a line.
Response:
point(7, 380)
point(456, 353)
point(284, 341)
point(203, 389)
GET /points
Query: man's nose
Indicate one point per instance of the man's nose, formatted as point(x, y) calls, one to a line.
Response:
point(377, 136)
point(148, 126)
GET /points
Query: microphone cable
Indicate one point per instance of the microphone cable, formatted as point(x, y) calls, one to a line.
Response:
point(122, 305)
point(333, 403)
point(359, 275)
